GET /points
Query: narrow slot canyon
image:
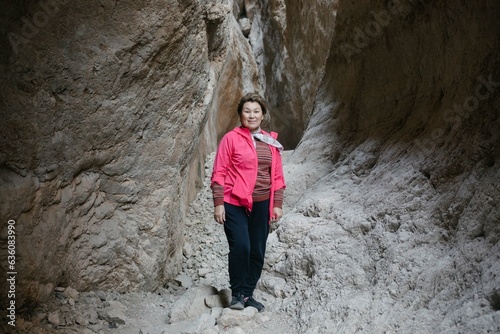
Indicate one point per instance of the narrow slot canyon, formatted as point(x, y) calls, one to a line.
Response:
point(110, 114)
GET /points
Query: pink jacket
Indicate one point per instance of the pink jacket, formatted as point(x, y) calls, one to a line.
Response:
point(235, 168)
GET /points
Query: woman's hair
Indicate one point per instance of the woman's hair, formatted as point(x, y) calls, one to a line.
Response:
point(254, 97)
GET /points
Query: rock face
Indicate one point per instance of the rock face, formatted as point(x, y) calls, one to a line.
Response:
point(292, 59)
point(109, 109)
point(395, 223)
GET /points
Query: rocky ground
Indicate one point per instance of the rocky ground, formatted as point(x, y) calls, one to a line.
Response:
point(196, 302)
point(351, 255)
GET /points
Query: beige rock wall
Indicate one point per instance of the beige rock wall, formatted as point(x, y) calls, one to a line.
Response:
point(394, 218)
point(291, 41)
point(108, 109)
point(418, 82)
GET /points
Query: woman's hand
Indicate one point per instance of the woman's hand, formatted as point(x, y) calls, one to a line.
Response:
point(220, 214)
point(277, 214)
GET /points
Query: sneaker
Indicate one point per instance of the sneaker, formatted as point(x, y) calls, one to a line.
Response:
point(249, 301)
point(237, 303)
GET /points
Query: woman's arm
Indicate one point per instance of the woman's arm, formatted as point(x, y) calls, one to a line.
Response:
point(221, 162)
point(222, 159)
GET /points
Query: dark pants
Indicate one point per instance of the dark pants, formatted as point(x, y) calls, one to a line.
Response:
point(247, 237)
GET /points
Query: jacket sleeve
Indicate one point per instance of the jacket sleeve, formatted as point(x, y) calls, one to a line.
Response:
point(221, 162)
point(279, 178)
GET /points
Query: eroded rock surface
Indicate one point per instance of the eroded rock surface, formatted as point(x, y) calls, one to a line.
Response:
point(109, 110)
point(397, 229)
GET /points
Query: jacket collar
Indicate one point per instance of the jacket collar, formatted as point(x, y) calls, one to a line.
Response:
point(245, 132)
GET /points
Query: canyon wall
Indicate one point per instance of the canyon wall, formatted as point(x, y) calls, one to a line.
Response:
point(393, 190)
point(291, 56)
point(108, 110)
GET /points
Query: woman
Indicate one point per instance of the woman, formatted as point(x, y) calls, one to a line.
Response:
point(247, 185)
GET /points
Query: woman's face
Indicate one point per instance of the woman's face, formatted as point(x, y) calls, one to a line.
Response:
point(251, 115)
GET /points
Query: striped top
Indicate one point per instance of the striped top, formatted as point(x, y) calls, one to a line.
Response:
point(262, 188)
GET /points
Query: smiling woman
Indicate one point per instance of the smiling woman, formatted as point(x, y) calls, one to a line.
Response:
point(247, 185)
point(252, 110)
point(252, 116)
